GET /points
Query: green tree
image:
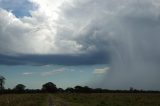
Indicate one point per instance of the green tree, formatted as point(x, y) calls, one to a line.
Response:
point(19, 87)
point(49, 87)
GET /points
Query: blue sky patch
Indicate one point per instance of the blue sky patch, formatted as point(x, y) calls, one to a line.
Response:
point(19, 8)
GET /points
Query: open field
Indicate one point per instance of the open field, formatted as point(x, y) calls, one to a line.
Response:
point(108, 99)
point(23, 100)
point(76, 99)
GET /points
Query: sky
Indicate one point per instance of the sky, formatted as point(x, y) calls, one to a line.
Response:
point(111, 44)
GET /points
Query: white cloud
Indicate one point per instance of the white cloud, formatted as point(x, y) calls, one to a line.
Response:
point(101, 70)
point(27, 73)
point(50, 73)
point(36, 34)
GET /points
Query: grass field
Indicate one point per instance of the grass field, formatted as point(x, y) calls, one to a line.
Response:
point(64, 99)
point(107, 99)
point(23, 100)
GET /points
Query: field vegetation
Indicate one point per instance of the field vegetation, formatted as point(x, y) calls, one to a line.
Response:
point(81, 99)
point(107, 99)
point(23, 100)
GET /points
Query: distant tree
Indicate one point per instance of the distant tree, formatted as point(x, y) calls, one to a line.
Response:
point(49, 87)
point(86, 89)
point(78, 88)
point(2, 82)
point(19, 87)
point(98, 90)
point(60, 90)
point(69, 90)
point(131, 89)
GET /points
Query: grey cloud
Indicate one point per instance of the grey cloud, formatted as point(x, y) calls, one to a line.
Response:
point(127, 30)
point(83, 59)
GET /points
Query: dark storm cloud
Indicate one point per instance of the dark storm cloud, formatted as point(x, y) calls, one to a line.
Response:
point(129, 30)
point(84, 59)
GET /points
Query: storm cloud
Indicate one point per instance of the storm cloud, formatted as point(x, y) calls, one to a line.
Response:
point(122, 33)
point(67, 60)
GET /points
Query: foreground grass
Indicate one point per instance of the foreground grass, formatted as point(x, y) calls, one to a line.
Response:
point(77, 99)
point(23, 100)
point(107, 99)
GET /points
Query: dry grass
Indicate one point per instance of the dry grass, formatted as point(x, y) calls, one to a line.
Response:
point(95, 99)
point(23, 100)
point(108, 99)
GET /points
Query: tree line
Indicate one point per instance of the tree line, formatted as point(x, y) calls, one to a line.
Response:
point(50, 87)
